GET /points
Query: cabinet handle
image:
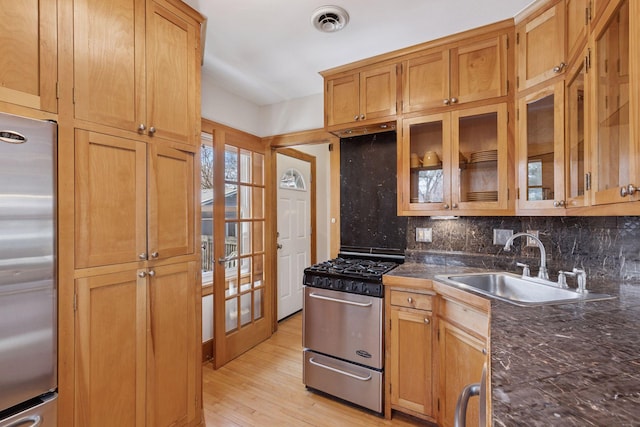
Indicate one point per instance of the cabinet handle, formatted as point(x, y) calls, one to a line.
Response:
point(426, 321)
point(410, 300)
point(454, 100)
point(455, 206)
point(143, 255)
point(152, 273)
point(446, 101)
point(152, 130)
point(142, 274)
point(446, 206)
point(154, 254)
point(356, 117)
point(362, 117)
point(484, 351)
point(141, 127)
point(558, 68)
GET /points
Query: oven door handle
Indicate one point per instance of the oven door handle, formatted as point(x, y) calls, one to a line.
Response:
point(339, 371)
point(357, 304)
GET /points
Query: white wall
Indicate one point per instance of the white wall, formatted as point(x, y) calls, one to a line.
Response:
point(229, 109)
point(292, 116)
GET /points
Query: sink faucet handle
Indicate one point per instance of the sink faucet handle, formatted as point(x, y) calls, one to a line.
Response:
point(526, 272)
point(562, 280)
point(581, 279)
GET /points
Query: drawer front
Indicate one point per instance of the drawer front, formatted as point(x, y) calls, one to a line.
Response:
point(348, 381)
point(412, 300)
point(466, 317)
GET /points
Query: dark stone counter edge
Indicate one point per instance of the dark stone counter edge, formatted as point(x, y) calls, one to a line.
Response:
point(574, 364)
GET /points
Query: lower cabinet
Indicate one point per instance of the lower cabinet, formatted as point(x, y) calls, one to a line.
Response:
point(463, 357)
point(436, 345)
point(410, 356)
point(136, 346)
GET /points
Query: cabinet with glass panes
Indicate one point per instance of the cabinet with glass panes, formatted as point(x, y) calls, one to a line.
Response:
point(457, 163)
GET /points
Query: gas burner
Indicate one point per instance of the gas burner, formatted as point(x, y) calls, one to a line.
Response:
point(353, 275)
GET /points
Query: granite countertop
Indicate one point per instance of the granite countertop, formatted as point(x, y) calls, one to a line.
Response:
point(563, 365)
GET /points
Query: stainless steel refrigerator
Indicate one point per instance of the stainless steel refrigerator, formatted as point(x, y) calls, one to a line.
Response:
point(28, 290)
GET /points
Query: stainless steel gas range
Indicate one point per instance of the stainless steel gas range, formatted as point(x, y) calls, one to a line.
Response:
point(343, 329)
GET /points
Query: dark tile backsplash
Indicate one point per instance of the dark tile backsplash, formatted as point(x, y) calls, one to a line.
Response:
point(602, 246)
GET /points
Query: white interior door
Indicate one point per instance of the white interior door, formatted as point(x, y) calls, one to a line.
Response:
point(294, 231)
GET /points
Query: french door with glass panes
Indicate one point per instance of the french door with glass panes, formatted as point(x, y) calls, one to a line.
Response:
point(242, 312)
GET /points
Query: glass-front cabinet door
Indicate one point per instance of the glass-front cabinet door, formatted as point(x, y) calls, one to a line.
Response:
point(614, 152)
point(541, 150)
point(427, 141)
point(457, 162)
point(578, 173)
point(479, 158)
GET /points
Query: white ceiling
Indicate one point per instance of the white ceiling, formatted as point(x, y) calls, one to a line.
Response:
point(268, 51)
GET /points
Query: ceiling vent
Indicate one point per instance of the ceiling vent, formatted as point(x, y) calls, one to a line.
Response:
point(330, 19)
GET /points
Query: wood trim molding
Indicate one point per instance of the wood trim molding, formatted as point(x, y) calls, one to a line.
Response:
point(316, 136)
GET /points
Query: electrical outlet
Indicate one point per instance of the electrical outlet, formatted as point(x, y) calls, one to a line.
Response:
point(530, 241)
point(424, 235)
point(500, 236)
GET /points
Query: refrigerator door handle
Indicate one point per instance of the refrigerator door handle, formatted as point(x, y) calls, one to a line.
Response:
point(36, 421)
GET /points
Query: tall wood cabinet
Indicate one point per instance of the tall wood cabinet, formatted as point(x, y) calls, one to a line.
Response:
point(28, 47)
point(130, 122)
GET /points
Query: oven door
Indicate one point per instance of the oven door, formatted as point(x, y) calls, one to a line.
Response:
point(343, 325)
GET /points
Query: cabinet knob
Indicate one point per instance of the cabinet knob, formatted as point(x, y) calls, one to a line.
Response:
point(152, 130)
point(142, 274)
point(629, 190)
point(455, 206)
point(141, 127)
point(362, 117)
point(558, 68)
point(154, 254)
point(446, 206)
point(426, 321)
point(558, 203)
point(410, 300)
point(484, 351)
point(454, 100)
point(356, 117)
point(152, 273)
point(143, 255)
point(446, 101)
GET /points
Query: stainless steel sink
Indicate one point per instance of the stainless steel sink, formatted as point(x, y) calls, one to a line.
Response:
point(516, 289)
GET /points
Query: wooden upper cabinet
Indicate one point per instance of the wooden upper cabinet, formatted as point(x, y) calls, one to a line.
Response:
point(28, 47)
point(470, 71)
point(171, 75)
point(365, 96)
point(425, 81)
point(577, 16)
point(130, 208)
point(479, 70)
point(541, 47)
point(135, 69)
point(109, 46)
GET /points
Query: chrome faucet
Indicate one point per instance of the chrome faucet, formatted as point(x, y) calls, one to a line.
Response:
point(542, 273)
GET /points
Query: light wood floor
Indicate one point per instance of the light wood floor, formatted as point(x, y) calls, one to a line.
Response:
point(263, 387)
